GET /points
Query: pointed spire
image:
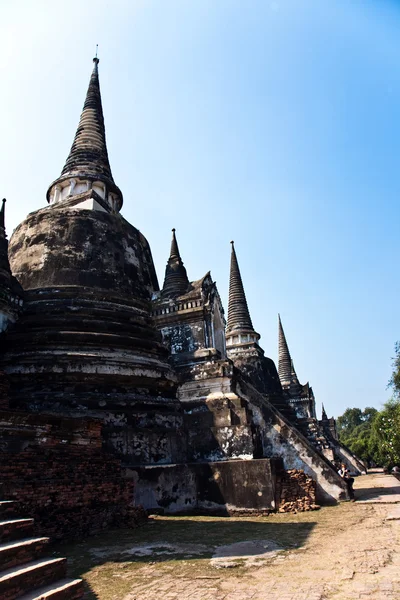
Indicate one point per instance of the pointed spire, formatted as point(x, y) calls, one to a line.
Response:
point(239, 320)
point(8, 284)
point(5, 271)
point(324, 415)
point(88, 157)
point(286, 370)
point(2, 216)
point(174, 246)
point(176, 281)
point(89, 150)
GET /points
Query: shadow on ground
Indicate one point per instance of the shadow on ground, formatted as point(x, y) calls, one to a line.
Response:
point(383, 485)
point(178, 539)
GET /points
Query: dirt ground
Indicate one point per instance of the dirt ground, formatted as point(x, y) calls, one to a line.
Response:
point(344, 552)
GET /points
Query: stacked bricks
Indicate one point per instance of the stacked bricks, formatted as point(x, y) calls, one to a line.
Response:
point(57, 471)
point(297, 492)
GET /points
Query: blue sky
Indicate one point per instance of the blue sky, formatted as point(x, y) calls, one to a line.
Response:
point(273, 123)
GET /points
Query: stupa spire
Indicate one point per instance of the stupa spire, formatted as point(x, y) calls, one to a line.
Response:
point(2, 217)
point(239, 320)
point(174, 247)
point(324, 416)
point(87, 166)
point(286, 370)
point(176, 281)
point(5, 271)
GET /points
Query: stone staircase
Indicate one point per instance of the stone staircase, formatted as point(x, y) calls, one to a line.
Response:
point(25, 573)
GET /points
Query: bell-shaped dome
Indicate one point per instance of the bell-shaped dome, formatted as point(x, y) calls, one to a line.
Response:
point(86, 335)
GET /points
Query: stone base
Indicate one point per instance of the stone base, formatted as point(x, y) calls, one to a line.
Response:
point(224, 487)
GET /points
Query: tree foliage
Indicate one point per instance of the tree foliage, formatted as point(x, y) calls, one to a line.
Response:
point(394, 381)
point(386, 434)
point(374, 435)
point(355, 429)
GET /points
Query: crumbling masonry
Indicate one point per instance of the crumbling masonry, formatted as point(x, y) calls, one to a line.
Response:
point(193, 414)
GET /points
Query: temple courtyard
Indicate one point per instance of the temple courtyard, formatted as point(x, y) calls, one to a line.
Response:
point(343, 552)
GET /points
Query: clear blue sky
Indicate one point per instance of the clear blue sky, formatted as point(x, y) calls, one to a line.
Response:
point(273, 123)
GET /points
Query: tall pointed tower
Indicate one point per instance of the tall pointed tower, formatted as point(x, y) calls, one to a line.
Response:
point(11, 293)
point(321, 434)
point(5, 273)
point(239, 328)
point(242, 340)
point(176, 281)
point(86, 340)
point(189, 315)
point(86, 178)
point(301, 397)
point(286, 370)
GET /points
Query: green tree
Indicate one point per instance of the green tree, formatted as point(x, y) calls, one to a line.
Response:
point(394, 381)
point(386, 434)
point(355, 431)
point(374, 435)
point(348, 421)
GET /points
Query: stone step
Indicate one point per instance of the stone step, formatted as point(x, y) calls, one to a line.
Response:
point(21, 580)
point(66, 589)
point(14, 529)
point(15, 553)
point(7, 508)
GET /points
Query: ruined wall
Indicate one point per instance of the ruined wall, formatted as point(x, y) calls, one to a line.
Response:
point(301, 408)
point(150, 434)
point(229, 487)
point(193, 321)
point(280, 439)
point(184, 337)
point(4, 391)
point(218, 430)
point(57, 472)
point(216, 420)
point(231, 419)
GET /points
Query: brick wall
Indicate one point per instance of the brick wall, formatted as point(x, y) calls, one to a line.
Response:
point(4, 386)
point(56, 470)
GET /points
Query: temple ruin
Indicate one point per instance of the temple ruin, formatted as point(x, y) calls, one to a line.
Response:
point(180, 410)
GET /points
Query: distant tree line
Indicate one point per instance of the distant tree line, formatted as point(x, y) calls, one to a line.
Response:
point(374, 436)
